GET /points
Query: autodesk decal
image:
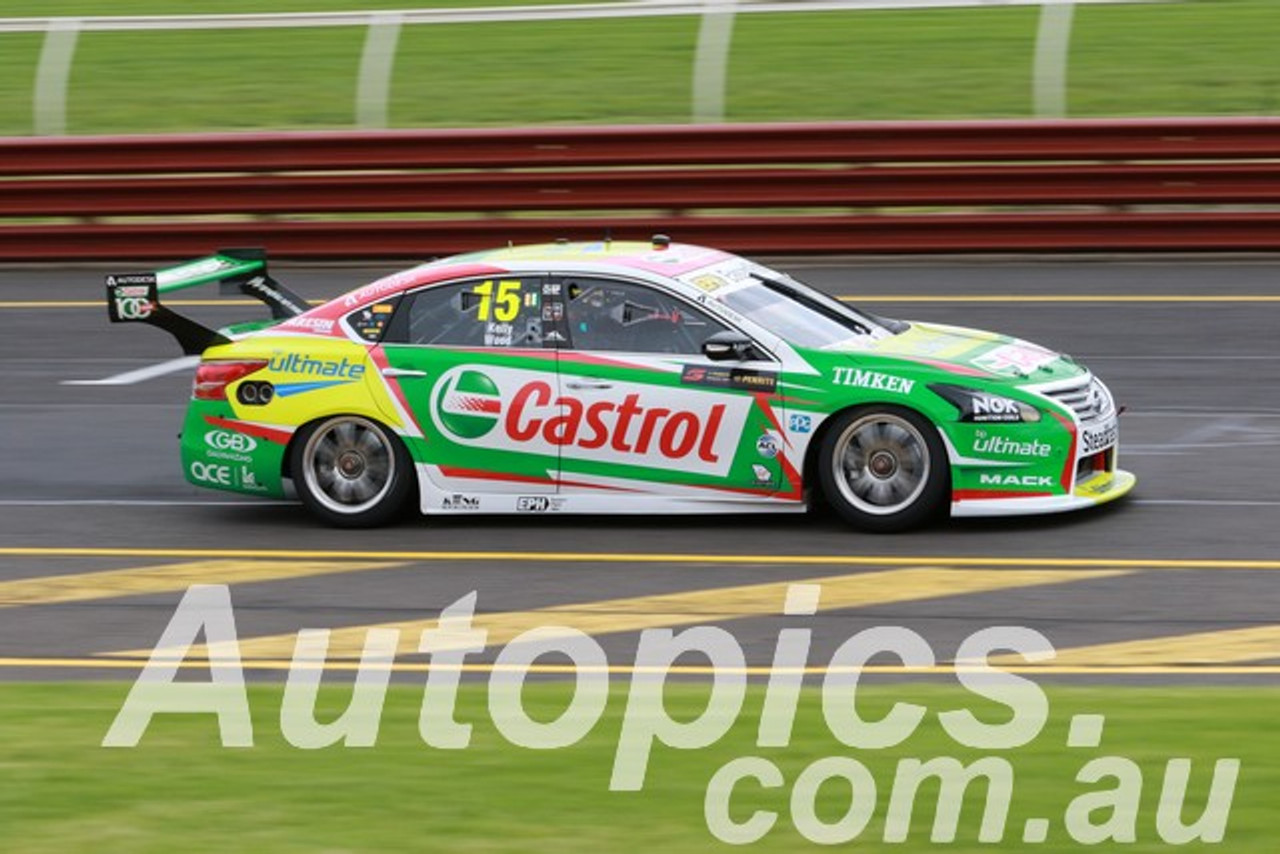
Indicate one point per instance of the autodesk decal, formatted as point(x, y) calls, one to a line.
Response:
point(628, 423)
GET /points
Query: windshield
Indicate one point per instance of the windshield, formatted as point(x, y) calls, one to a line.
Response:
point(798, 313)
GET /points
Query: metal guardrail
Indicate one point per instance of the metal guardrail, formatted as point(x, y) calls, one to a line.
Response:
point(1138, 184)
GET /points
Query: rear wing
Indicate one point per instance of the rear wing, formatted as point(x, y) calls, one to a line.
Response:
point(135, 297)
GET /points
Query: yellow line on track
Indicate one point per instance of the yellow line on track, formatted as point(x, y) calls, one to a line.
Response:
point(645, 557)
point(108, 584)
point(136, 664)
point(1230, 646)
point(176, 303)
point(702, 606)
point(1065, 298)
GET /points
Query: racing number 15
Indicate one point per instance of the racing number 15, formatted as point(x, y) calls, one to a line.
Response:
point(506, 305)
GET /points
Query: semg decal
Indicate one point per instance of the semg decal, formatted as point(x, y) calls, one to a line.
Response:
point(659, 427)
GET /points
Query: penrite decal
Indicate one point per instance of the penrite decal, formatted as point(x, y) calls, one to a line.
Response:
point(716, 376)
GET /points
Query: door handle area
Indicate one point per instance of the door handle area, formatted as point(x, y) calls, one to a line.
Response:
point(585, 385)
point(402, 372)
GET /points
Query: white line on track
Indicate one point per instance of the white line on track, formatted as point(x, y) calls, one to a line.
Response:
point(141, 374)
point(142, 502)
point(1246, 357)
point(1204, 502)
point(1216, 414)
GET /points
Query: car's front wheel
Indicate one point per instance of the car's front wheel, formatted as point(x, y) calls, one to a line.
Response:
point(351, 472)
point(884, 468)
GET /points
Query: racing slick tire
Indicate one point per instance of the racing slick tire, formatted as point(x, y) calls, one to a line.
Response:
point(884, 469)
point(352, 472)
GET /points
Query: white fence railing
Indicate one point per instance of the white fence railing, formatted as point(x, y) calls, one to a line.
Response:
point(383, 27)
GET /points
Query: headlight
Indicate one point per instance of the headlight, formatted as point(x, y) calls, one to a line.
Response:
point(983, 407)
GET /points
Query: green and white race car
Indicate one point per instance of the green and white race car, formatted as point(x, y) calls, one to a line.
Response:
point(622, 378)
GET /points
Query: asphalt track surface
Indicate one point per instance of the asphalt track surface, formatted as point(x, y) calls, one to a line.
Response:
point(100, 535)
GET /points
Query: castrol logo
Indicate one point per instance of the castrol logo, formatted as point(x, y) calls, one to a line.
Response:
point(627, 423)
point(467, 404)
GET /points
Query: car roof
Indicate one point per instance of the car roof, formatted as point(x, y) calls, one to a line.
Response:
point(672, 265)
point(659, 256)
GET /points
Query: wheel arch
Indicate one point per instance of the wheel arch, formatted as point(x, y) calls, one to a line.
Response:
point(813, 453)
point(302, 433)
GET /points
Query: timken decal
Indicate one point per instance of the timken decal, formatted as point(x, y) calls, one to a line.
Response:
point(629, 423)
point(858, 378)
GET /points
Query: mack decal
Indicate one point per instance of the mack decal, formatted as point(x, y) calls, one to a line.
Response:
point(1024, 480)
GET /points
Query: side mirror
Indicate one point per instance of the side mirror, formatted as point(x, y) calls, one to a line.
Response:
point(728, 346)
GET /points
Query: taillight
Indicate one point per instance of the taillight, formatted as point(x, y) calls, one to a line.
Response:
point(212, 378)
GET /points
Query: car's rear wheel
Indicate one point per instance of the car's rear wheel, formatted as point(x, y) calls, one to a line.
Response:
point(352, 472)
point(884, 468)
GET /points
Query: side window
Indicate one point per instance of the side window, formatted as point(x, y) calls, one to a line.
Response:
point(494, 312)
point(604, 314)
point(371, 321)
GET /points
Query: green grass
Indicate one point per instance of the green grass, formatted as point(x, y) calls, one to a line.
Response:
point(69, 8)
point(1196, 57)
point(179, 791)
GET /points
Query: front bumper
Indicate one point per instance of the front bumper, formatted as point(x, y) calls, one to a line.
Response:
point(1099, 489)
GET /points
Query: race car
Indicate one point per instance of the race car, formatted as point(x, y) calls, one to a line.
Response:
point(622, 377)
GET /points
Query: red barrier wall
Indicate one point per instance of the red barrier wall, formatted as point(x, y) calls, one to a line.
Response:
point(1075, 185)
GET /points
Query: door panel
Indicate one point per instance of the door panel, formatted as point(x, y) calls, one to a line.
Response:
point(656, 415)
point(459, 355)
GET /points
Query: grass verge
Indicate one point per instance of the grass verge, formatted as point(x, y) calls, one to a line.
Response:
point(180, 791)
point(1198, 57)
